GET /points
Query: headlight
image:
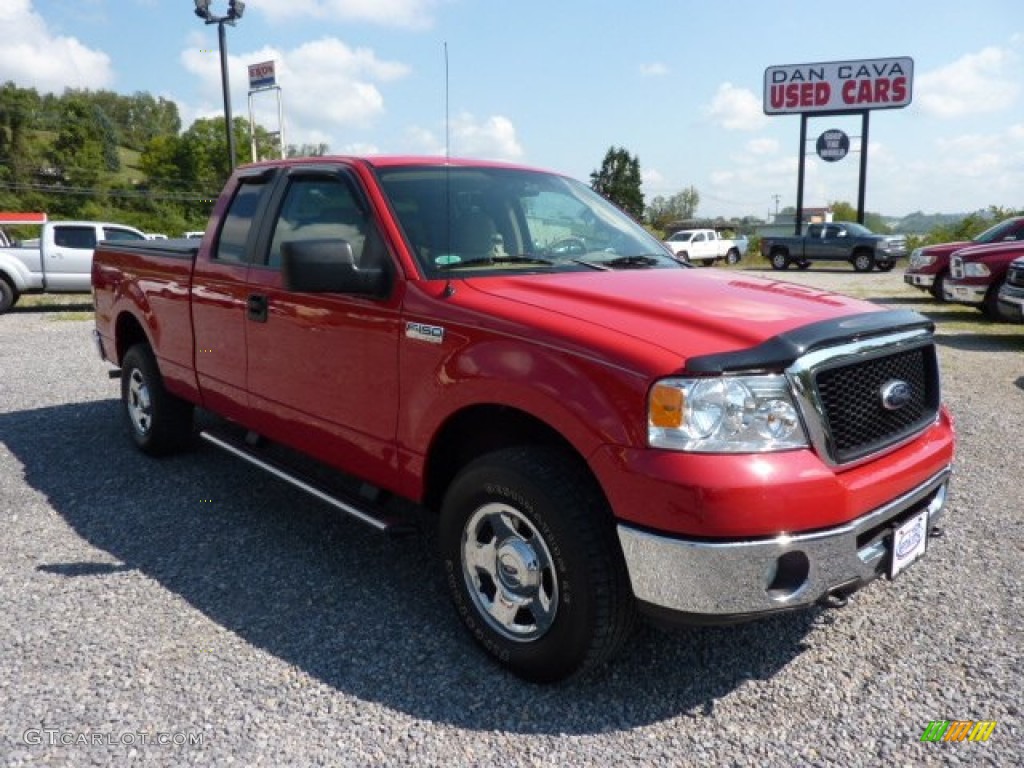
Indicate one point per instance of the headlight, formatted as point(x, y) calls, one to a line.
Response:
point(918, 259)
point(729, 414)
point(884, 245)
point(975, 269)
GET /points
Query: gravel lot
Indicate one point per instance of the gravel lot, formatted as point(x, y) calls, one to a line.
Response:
point(194, 599)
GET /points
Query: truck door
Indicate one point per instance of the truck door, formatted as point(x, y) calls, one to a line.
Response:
point(219, 294)
point(323, 367)
point(834, 244)
point(67, 256)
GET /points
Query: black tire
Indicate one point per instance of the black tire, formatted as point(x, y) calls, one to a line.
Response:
point(159, 423)
point(683, 256)
point(529, 524)
point(885, 266)
point(990, 306)
point(937, 288)
point(8, 296)
point(732, 257)
point(803, 265)
point(779, 260)
point(863, 261)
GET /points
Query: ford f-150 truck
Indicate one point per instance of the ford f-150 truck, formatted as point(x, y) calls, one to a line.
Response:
point(62, 263)
point(929, 265)
point(976, 273)
point(703, 245)
point(600, 431)
point(836, 241)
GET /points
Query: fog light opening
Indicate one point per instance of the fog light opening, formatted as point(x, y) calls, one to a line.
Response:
point(789, 576)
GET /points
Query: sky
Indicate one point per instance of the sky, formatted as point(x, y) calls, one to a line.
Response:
point(554, 84)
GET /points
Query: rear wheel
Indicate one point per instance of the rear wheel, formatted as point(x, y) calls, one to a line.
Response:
point(158, 422)
point(732, 257)
point(533, 564)
point(779, 260)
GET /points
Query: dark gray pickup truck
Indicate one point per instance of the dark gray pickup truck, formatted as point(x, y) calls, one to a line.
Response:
point(836, 241)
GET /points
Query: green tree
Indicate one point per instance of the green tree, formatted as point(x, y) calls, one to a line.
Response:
point(619, 180)
point(843, 211)
point(663, 212)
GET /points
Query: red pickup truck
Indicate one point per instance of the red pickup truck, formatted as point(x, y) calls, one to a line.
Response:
point(977, 273)
point(929, 266)
point(601, 431)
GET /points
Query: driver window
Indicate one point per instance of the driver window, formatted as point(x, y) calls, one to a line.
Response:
point(319, 209)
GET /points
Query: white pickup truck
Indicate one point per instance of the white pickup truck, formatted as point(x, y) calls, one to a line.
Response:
point(61, 263)
point(703, 245)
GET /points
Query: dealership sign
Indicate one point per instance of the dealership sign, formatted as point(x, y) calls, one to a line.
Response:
point(262, 75)
point(839, 86)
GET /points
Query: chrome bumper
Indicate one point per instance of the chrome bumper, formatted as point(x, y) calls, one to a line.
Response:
point(739, 578)
point(965, 294)
point(919, 281)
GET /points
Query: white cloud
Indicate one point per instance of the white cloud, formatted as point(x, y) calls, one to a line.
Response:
point(493, 137)
point(32, 56)
point(395, 13)
point(653, 69)
point(763, 146)
point(736, 109)
point(979, 82)
point(324, 83)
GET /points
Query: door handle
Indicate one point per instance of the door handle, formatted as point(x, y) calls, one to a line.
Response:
point(257, 305)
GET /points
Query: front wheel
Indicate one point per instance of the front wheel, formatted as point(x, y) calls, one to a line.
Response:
point(533, 564)
point(885, 266)
point(8, 296)
point(159, 423)
point(863, 261)
point(937, 289)
point(779, 260)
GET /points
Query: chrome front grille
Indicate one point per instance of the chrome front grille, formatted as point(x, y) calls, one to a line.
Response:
point(862, 398)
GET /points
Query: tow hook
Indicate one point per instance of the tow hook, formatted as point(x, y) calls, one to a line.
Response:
point(834, 600)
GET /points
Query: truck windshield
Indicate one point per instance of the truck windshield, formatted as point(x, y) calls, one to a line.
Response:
point(485, 220)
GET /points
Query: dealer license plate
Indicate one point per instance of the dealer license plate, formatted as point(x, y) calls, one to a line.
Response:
point(908, 542)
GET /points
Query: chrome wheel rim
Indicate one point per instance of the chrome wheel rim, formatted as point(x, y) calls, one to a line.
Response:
point(509, 572)
point(140, 405)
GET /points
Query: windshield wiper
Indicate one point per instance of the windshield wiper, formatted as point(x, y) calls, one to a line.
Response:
point(622, 262)
point(489, 260)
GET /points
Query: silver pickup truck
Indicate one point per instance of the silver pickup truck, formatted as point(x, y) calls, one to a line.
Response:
point(60, 263)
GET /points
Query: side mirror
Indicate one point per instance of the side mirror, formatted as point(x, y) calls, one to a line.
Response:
point(328, 266)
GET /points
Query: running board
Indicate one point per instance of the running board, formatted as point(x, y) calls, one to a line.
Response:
point(362, 510)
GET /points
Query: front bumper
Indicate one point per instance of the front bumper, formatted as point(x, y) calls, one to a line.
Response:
point(736, 579)
point(918, 280)
point(1011, 303)
point(960, 293)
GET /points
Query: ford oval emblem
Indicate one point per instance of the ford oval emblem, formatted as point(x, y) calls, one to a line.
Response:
point(896, 394)
point(908, 544)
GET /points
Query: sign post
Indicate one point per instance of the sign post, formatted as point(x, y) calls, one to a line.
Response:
point(837, 88)
point(263, 77)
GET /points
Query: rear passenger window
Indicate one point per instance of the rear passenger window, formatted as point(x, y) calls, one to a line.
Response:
point(115, 233)
point(75, 237)
point(234, 234)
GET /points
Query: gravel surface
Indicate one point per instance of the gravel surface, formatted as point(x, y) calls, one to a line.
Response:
point(194, 599)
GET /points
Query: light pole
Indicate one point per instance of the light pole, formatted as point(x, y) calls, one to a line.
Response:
point(235, 11)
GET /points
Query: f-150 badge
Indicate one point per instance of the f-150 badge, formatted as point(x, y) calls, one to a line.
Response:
point(423, 332)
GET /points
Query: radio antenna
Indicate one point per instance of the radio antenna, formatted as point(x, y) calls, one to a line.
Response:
point(449, 287)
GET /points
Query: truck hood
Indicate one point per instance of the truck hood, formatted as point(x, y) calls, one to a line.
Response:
point(1007, 250)
point(686, 312)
